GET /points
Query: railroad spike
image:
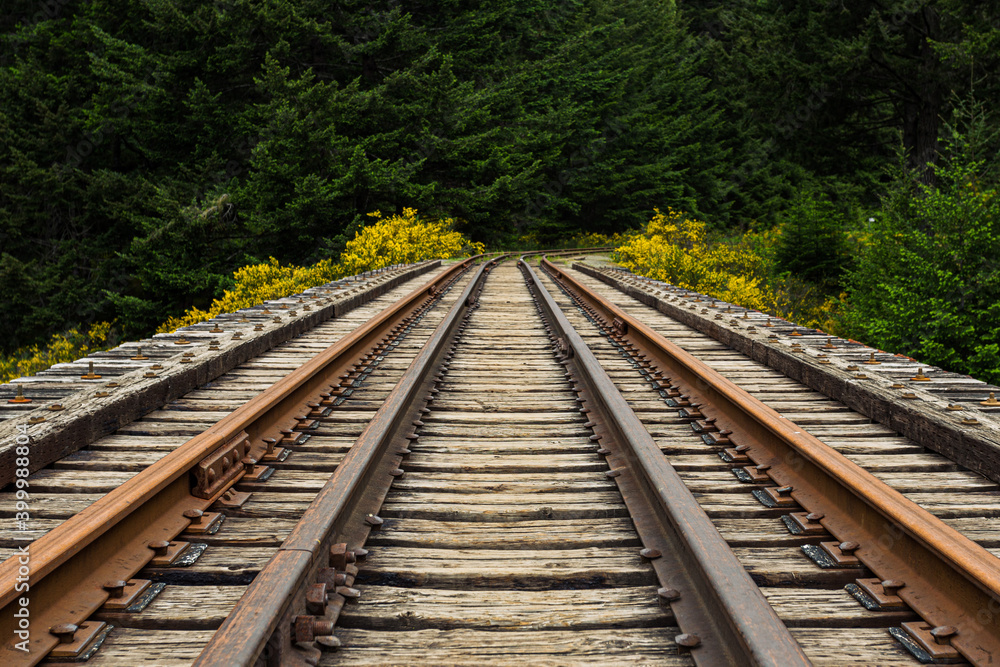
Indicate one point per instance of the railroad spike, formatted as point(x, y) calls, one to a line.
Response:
point(65, 632)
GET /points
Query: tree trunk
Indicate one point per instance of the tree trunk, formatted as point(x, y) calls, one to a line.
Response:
point(922, 108)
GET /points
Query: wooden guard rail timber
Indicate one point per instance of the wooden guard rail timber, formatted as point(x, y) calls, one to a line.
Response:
point(950, 581)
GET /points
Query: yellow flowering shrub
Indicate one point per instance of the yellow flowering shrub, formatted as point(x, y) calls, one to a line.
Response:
point(61, 348)
point(255, 284)
point(595, 240)
point(398, 239)
point(404, 239)
point(678, 249)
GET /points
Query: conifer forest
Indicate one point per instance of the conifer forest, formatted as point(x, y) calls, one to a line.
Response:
point(835, 163)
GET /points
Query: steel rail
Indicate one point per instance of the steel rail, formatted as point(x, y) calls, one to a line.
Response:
point(69, 567)
point(724, 618)
point(949, 580)
point(293, 603)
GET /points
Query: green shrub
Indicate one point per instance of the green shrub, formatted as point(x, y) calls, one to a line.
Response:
point(927, 282)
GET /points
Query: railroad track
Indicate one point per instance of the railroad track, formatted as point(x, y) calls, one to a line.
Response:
point(505, 467)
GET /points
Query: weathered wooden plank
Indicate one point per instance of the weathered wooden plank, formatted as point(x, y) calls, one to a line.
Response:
point(127, 647)
point(472, 647)
point(459, 510)
point(180, 608)
point(403, 609)
point(564, 533)
point(504, 464)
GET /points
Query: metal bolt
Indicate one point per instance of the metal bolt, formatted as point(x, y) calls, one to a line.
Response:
point(248, 464)
point(194, 515)
point(115, 589)
point(651, 554)
point(943, 633)
point(814, 516)
point(159, 547)
point(849, 547)
point(784, 490)
point(348, 592)
point(891, 586)
point(763, 467)
point(687, 640)
point(65, 632)
point(21, 399)
point(669, 594)
point(90, 372)
point(307, 628)
point(316, 599)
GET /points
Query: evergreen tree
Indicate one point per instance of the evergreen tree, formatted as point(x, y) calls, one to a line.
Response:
point(928, 282)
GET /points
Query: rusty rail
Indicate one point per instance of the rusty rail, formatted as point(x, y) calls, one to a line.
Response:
point(290, 608)
point(724, 618)
point(71, 566)
point(949, 580)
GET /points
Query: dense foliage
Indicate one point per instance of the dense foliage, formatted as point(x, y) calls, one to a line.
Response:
point(679, 249)
point(929, 282)
point(396, 239)
point(403, 239)
point(60, 348)
point(150, 149)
